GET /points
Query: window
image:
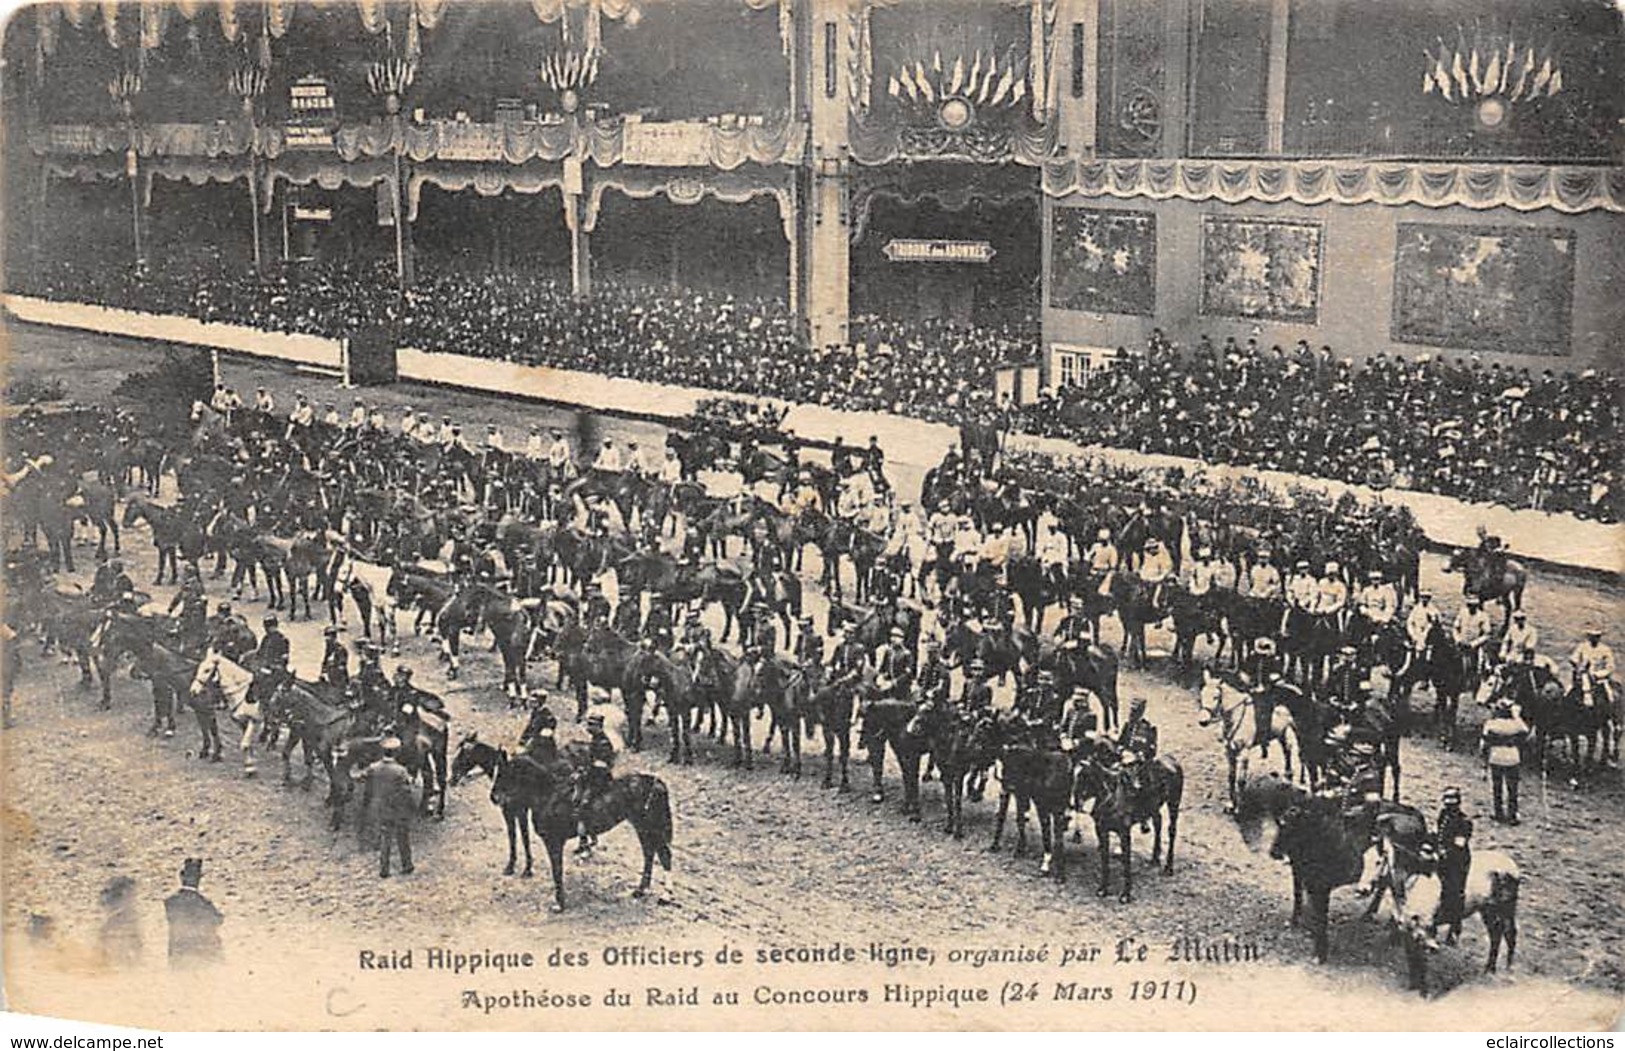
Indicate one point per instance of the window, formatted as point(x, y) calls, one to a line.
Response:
point(829, 60)
point(1077, 60)
point(1070, 363)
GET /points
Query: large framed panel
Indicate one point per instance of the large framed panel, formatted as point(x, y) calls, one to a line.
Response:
point(1261, 268)
point(1103, 261)
point(1493, 288)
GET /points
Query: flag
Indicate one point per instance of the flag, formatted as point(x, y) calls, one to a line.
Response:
point(1460, 73)
point(1523, 74)
point(958, 77)
point(1554, 85)
point(1506, 67)
point(1472, 70)
point(925, 84)
point(975, 73)
point(1492, 75)
point(1442, 75)
point(1427, 82)
point(893, 87)
point(987, 78)
point(908, 84)
point(1542, 78)
point(1003, 88)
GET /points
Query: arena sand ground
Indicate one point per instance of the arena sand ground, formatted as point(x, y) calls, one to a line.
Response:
point(761, 859)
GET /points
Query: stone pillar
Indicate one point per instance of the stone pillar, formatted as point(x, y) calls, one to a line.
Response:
point(1275, 92)
point(580, 246)
point(1177, 46)
point(827, 264)
point(1077, 64)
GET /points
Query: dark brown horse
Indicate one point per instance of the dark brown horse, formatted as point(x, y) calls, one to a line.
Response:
point(543, 782)
point(1123, 799)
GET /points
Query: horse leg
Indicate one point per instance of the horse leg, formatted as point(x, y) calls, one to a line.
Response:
point(742, 731)
point(1103, 846)
point(1127, 834)
point(998, 820)
point(511, 820)
point(877, 765)
point(1320, 909)
point(555, 861)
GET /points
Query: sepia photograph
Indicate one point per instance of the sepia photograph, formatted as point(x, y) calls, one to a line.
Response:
point(813, 515)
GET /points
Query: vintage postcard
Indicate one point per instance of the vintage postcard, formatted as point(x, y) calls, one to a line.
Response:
point(813, 514)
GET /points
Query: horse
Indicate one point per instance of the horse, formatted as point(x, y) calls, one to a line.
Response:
point(887, 722)
point(97, 506)
point(784, 687)
point(1491, 891)
point(222, 685)
point(1323, 844)
point(161, 661)
point(543, 782)
point(474, 754)
point(674, 687)
point(1491, 577)
point(1123, 800)
point(1031, 775)
point(1033, 586)
point(959, 752)
point(1092, 667)
point(413, 588)
point(174, 534)
point(1132, 599)
point(1194, 618)
point(481, 604)
point(830, 708)
point(319, 718)
point(1442, 665)
point(1238, 714)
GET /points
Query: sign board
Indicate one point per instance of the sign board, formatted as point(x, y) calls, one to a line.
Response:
point(305, 137)
point(903, 250)
point(678, 144)
point(312, 214)
point(312, 114)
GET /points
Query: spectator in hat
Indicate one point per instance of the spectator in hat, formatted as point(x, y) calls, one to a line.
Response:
point(388, 793)
point(1501, 743)
point(194, 922)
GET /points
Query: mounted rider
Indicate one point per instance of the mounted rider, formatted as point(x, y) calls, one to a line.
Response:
point(594, 779)
point(1520, 635)
point(1378, 603)
point(1137, 742)
point(932, 680)
point(1302, 594)
point(1593, 664)
point(1039, 702)
point(1156, 569)
point(976, 694)
point(1332, 598)
point(1344, 677)
point(335, 658)
point(895, 667)
point(766, 563)
point(1473, 631)
point(659, 623)
point(192, 624)
point(271, 658)
point(1263, 580)
point(370, 690)
point(1419, 624)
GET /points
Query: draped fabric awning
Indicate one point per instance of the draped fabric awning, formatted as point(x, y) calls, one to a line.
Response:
point(606, 143)
point(487, 180)
point(875, 141)
point(952, 187)
point(735, 187)
point(328, 172)
point(1522, 187)
point(197, 171)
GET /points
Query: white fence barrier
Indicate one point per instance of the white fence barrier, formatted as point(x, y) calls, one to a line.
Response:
point(1560, 539)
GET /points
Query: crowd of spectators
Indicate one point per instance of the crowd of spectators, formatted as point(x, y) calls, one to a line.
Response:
point(1483, 433)
point(1479, 432)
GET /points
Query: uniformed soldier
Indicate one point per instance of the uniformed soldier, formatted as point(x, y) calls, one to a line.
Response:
point(1332, 597)
point(595, 779)
point(1102, 554)
point(658, 625)
point(1419, 623)
point(1039, 702)
point(1520, 635)
point(1593, 664)
point(932, 678)
point(1137, 740)
point(894, 667)
point(609, 459)
point(335, 658)
point(1473, 632)
point(272, 655)
point(194, 608)
point(1343, 676)
point(263, 402)
point(1263, 579)
point(331, 417)
point(976, 694)
point(1454, 832)
point(809, 645)
point(1501, 743)
point(1378, 603)
point(874, 461)
point(595, 606)
point(1075, 626)
point(1156, 569)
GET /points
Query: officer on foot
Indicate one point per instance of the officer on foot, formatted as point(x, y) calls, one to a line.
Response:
point(389, 790)
point(335, 658)
point(1455, 834)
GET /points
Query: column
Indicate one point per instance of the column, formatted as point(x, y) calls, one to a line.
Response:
point(1275, 91)
point(1177, 47)
point(1077, 66)
point(580, 247)
point(828, 244)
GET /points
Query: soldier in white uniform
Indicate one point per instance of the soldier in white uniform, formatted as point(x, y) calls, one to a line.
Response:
point(1520, 635)
point(1102, 554)
point(447, 432)
point(303, 415)
point(358, 416)
point(1378, 602)
point(1302, 592)
point(1332, 596)
point(1419, 622)
point(559, 456)
point(332, 418)
point(409, 423)
point(263, 402)
point(1263, 580)
point(535, 446)
point(1473, 631)
point(1593, 663)
point(609, 458)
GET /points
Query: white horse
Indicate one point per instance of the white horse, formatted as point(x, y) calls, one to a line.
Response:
point(228, 685)
point(1236, 711)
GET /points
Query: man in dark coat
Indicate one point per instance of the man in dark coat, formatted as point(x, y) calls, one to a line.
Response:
point(1455, 834)
point(335, 659)
point(389, 793)
point(194, 922)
